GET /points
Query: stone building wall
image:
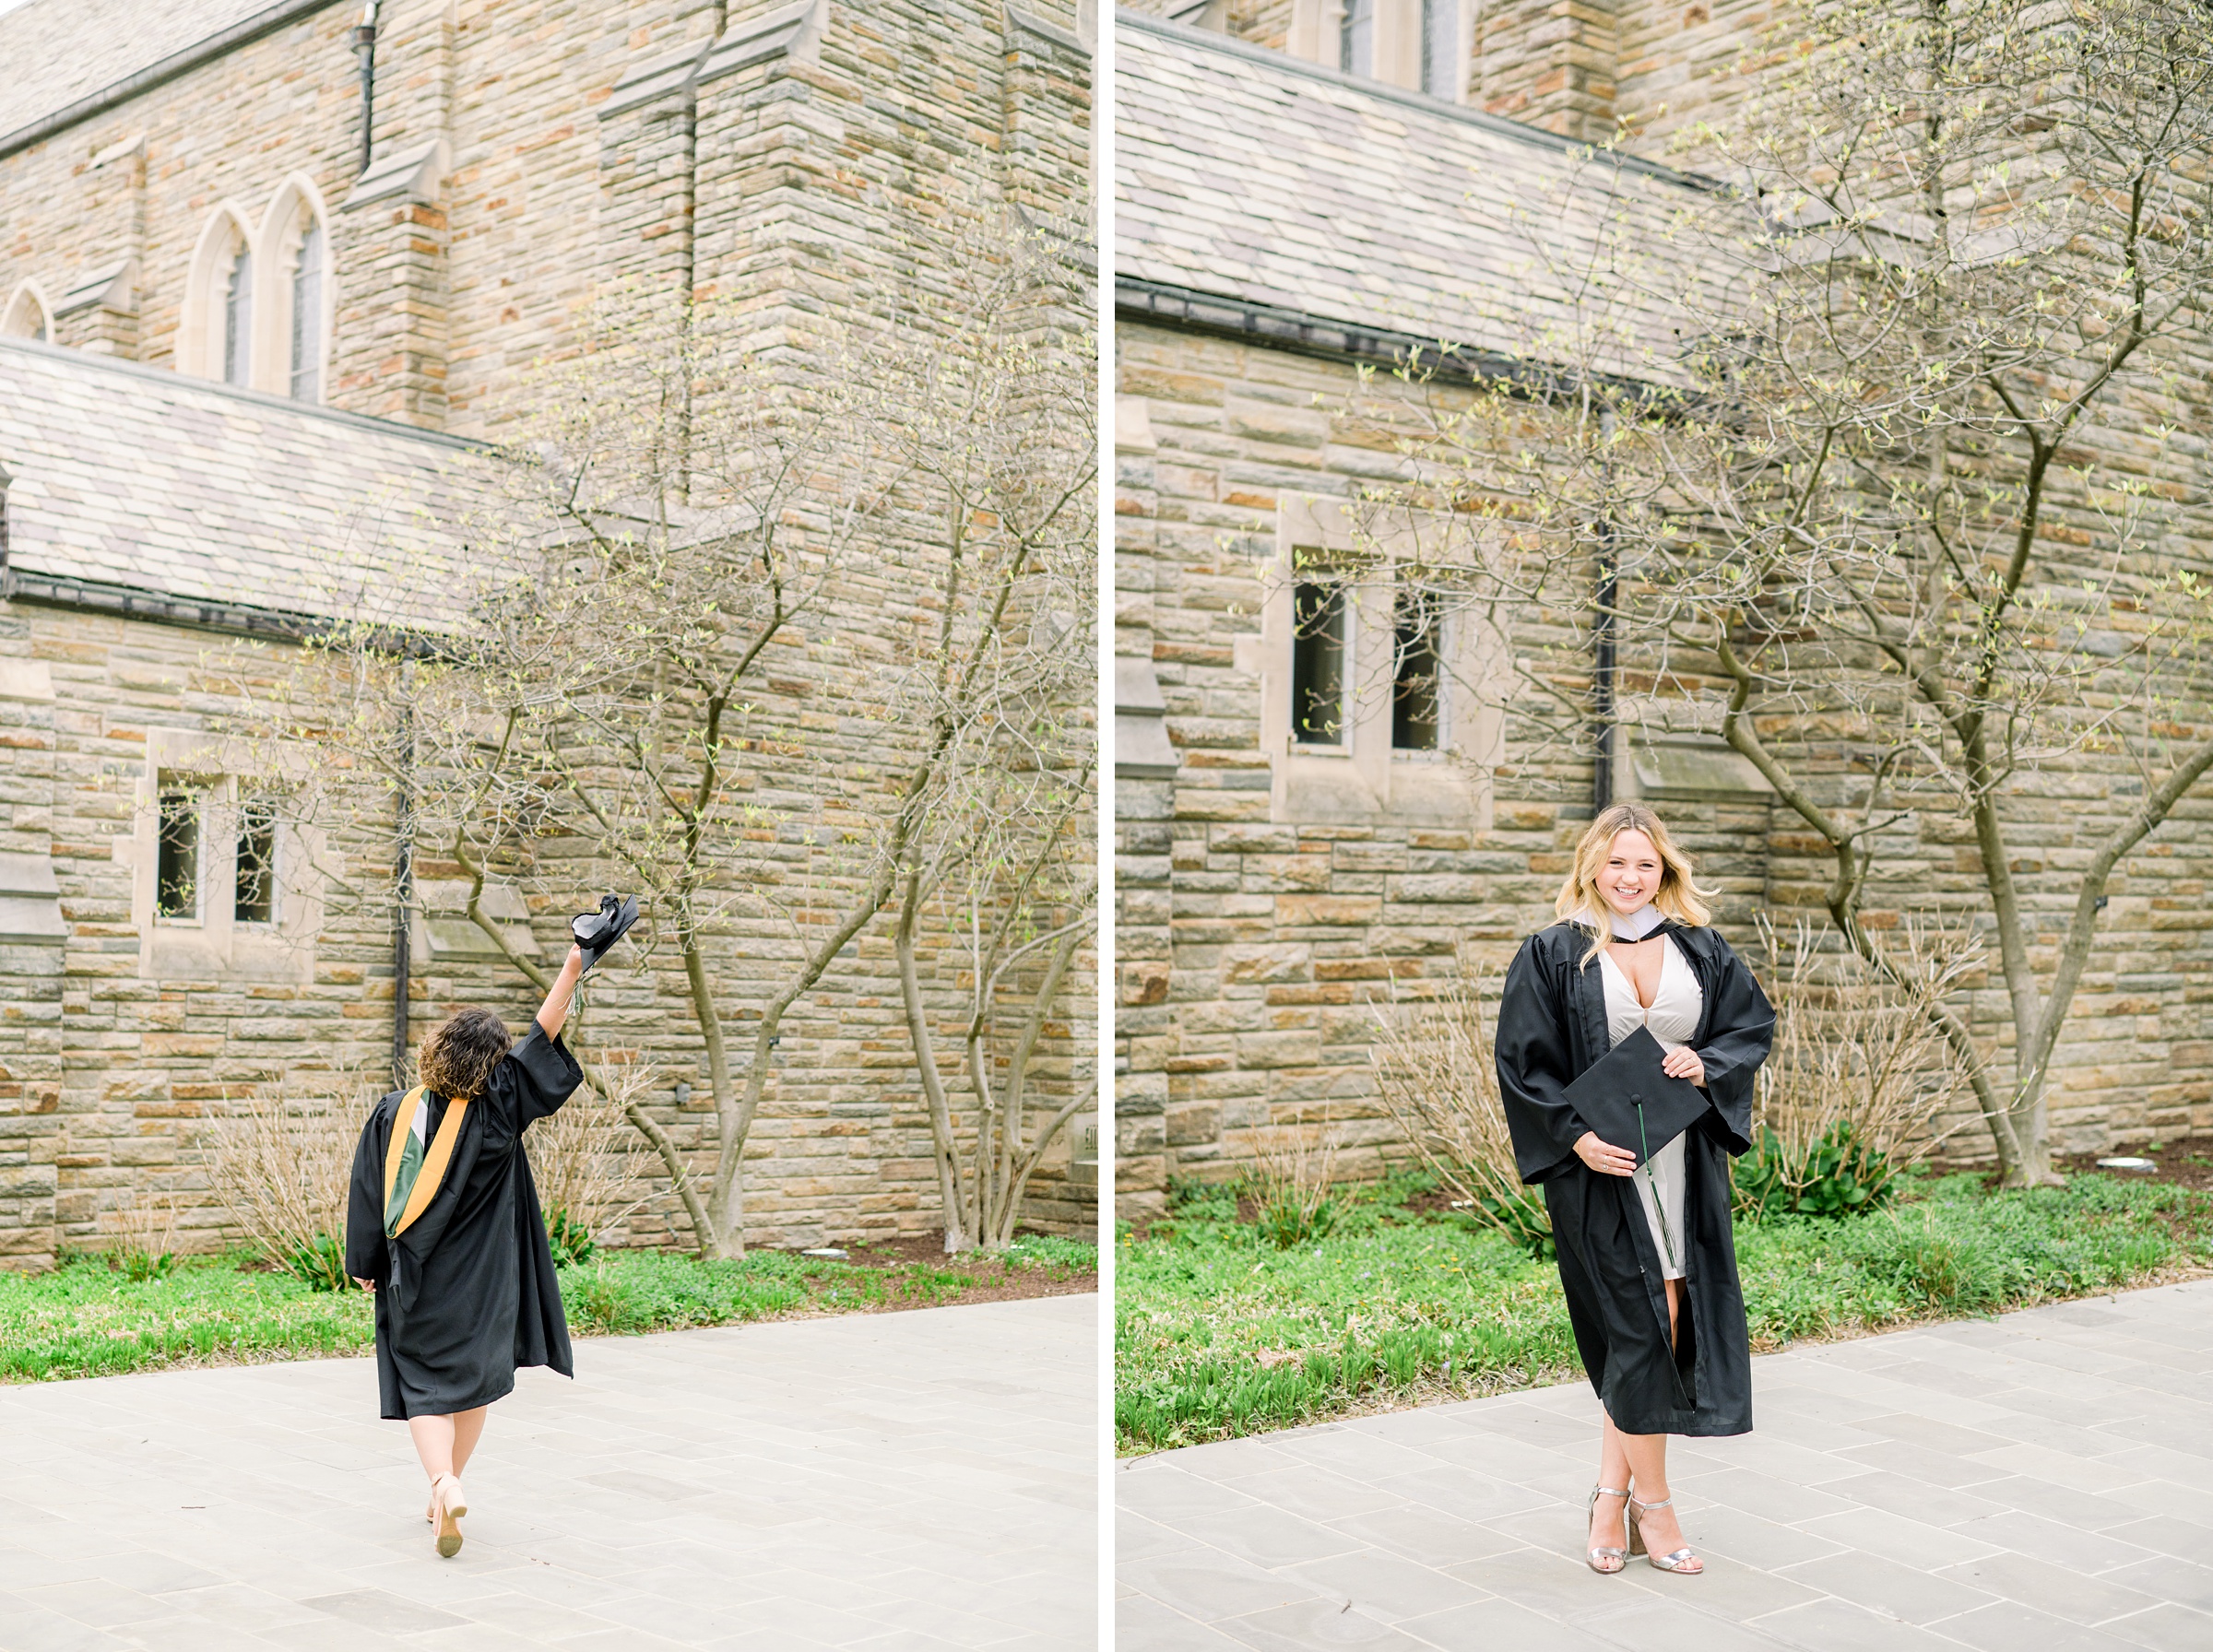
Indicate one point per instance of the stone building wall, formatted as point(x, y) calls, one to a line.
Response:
point(789, 160)
point(1585, 69)
point(793, 158)
point(1252, 948)
point(115, 1054)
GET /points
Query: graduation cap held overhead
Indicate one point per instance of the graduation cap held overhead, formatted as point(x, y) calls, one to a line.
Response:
point(597, 932)
point(1631, 1102)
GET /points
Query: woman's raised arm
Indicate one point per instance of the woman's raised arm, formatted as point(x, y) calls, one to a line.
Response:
point(554, 1012)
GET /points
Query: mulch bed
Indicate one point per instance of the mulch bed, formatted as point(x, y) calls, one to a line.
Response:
point(994, 1279)
point(2187, 1163)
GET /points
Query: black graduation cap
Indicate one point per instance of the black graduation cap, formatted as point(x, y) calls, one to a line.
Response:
point(1631, 1102)
point(597, 932)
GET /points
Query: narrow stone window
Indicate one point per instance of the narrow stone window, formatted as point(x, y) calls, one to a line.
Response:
point(307, 316)
point(26, 317)
point(238, 318)
point(1317, 673)
point(1357, 38)
point(1441, 42)
point(177, 869)
point(1415, 668)
point(255, 899)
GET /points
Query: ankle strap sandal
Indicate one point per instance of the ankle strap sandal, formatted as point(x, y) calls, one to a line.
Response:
point(1684, 1560)
point(1599, 1557)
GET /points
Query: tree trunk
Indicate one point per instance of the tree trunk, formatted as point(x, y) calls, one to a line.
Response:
point(726, 1206)
point(960, 1234)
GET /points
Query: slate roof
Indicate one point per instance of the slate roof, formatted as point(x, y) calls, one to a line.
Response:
point(1254, 176)
point(133, 476)
point(55, 52)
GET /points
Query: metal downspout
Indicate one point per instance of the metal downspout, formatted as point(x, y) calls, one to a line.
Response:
point(364, 48)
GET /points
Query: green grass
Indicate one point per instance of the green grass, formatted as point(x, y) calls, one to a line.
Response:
point(84, 1319)
point(1218, 1333)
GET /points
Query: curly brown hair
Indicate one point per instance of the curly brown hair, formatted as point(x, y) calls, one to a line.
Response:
point(456, 1059)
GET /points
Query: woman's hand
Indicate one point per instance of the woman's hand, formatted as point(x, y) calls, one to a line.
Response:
point(1684, 1064)
point(1603, 1156)
point(366, 1284)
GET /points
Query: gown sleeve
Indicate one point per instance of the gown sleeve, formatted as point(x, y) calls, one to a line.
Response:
point(1739, 1029)
point(538, 1075)
point(367, 1256)
point(1532, 1050)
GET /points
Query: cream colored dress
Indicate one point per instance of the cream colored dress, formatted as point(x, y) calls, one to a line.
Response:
point(1673, 1018)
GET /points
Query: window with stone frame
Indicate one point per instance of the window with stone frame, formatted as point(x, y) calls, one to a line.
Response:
point(25, 315)
point(226, 885)
point(183, 853)
point(1383, 682)
point(1421, 45)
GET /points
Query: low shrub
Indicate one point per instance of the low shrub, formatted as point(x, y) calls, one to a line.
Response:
point(570, 1239)
point(319, 1263)
point(1839, 1173)
point(1290, 1186)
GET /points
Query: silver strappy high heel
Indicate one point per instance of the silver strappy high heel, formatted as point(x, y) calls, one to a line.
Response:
point(1684, 1560)
point(1598, 1551)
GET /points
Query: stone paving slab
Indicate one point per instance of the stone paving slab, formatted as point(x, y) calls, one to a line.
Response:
point(2041, 1482)
point(924, 1480)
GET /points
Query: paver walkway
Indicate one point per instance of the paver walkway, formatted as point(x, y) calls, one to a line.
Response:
point(2038, 1483)
point(921, 1481)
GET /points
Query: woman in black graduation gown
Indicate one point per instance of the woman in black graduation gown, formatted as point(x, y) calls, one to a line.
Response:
point(1647, 1258)
point(465, 1290)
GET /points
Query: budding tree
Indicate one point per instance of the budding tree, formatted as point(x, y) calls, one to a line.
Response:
point(994, 859)
point(721, 651)
point(1865, 453)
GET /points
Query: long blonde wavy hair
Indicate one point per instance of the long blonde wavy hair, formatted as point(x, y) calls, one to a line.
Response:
point(1677, 897)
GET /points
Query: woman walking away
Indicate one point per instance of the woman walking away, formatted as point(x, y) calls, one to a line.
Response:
point(447, 1230)
point(1647, 1258)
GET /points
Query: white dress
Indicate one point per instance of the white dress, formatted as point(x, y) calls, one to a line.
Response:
point(1673, 1018)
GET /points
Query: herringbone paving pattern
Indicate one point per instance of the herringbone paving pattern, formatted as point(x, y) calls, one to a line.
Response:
point(2041, 1482)
point(922, 1481)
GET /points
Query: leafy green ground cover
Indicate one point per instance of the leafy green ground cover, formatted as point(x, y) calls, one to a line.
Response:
point(88, 1319)
point(1218, 1332)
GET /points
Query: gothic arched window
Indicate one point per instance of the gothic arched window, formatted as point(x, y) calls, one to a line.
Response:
point(24, 317)
point(238, 317)
point(307, 316)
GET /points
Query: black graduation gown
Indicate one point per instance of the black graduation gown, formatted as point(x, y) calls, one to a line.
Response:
point(1552, 1025)
point(468, 1293)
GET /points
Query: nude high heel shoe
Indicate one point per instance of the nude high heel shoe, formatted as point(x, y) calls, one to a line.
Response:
point(451, 1503)
point(1684, 1560)
point(1599, 1552)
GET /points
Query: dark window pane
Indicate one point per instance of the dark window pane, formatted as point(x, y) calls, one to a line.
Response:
point(1415, 675)
point(257, 899)
point(238, 317)
point(1317, 665)
point(177, 873)
point(1357, 38)
point(1440, 40)
point(307, 317)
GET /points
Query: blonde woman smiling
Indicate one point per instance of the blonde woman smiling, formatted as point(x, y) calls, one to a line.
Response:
point(1645, 1256)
